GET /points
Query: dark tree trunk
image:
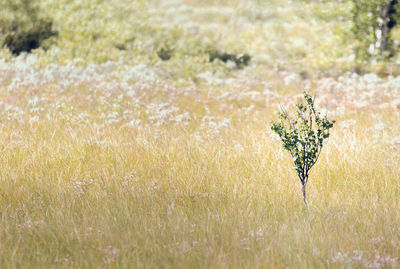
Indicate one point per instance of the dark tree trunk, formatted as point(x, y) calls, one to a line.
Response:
point(384, 26)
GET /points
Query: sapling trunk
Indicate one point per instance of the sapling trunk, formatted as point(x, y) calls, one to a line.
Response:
point(303, 188)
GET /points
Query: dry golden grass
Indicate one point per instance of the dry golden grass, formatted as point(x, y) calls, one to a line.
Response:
point(143, 163)
point(73, 195)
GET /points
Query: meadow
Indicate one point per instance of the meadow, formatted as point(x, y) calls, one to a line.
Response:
point(113, 158)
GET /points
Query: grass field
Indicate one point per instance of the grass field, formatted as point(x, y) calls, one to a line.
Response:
point(121, 160)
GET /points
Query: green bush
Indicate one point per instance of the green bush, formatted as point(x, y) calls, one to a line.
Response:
point(25, 29)
point(165, 53)
point(24, 39)
point(240, 60)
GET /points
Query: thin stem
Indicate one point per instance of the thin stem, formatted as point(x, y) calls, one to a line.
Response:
point(303, 188)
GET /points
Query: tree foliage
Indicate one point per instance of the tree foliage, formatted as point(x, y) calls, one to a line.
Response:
point(26, 30)
point(373, 21)
point(303, 136)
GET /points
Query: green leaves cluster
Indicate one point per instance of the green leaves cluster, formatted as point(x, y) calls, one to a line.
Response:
point(303, 136)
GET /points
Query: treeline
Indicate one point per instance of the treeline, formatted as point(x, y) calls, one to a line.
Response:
point(26, 27)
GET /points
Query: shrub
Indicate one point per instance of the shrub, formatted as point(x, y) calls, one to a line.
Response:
point(26, 40)
point(165, 53)
point(303, 137)
point(25, 30)
point(240, 60)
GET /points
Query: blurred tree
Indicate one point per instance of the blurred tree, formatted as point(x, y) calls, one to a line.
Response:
point(373, 21)
point(24, 28)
